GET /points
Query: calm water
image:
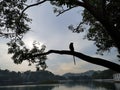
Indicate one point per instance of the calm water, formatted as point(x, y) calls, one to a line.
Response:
point(67, 86)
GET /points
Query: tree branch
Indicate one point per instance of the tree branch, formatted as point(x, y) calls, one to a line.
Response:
point(38, 3)
point(79, 3)
point(93, 60)
point(65, 10)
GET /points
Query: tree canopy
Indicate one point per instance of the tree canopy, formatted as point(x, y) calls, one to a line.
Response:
point(102, 17)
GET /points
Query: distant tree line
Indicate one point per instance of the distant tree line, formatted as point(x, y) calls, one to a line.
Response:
point(8, 77)
point(40, 77)
point(105, 74)
point(29, 77)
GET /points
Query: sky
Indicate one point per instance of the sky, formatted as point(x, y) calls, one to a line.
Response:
point(52, 31)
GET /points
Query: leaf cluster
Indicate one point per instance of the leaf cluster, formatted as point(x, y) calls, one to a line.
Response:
point(10, 11)
point(21, 53)
point(97, 33)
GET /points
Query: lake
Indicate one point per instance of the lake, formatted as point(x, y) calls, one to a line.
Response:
point(66, 86)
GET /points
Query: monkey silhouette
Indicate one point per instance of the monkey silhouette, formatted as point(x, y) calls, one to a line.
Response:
point(71, 47)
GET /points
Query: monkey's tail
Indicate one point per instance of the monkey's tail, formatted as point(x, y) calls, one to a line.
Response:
point(74, 60)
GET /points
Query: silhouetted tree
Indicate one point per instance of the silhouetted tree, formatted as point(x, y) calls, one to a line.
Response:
point(102, 16)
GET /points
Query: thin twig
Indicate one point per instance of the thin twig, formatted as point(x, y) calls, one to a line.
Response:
point(65, 10)
point(31, 6)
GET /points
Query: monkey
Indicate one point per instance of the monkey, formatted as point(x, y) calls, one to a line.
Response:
point(71, 47)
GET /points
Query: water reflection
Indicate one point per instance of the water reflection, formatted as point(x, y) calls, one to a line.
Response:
point(28, 87)
point(67, 86)
point(92, 85)
point(117, 85)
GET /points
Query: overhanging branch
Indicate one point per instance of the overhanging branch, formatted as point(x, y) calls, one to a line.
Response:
point(38, 3)
point(66, 10)
point(93, 60)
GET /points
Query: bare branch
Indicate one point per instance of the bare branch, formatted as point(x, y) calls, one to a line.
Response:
point(93, 60)
point(65, 10)
point(85, 1)
point(38, 3)
point(79, 3)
